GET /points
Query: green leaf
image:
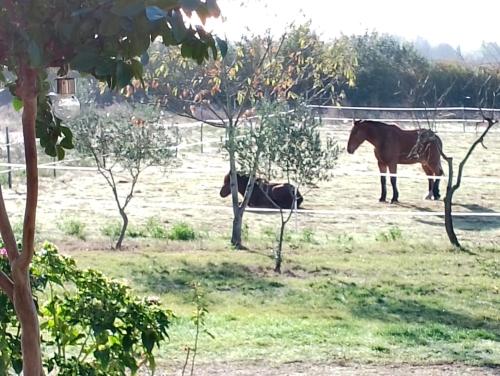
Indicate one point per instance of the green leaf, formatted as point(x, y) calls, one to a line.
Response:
point(148, 340)
point(17, 364)
point(105, 68)
point(130, 10)
point(187, 50)
point(153, 13)
point(222, 45)
point(145, 58)
point(35, 54)
point(190, 5)
point(50, 150)
point(67, 143)
point(102, 356)
point(137, 69)
point(66, 132)
point(85, 61)
point(17, 103)
point(111, 27)
point(168, 37)
point(60, 152)
point(178, 27)
point(124, 74)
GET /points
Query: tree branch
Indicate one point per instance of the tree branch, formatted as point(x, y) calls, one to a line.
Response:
point(480, 140)
point(27, 91)
point(6, 285)
point(6, 231)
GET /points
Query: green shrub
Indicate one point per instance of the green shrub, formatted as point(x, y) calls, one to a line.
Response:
point(308, 235)
point(135, 232)
point(156, 229)
point(393, 234)
point(89, 324)
point(73, 227)
point(269, 232)
point(181, 231)
point(245, 233)
point(111, 230)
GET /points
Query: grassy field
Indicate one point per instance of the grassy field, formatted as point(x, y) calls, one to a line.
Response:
point(191, 193)
point(367, 284)
point(385, 300)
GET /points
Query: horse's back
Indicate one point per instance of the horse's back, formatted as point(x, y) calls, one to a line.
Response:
point(285, 194)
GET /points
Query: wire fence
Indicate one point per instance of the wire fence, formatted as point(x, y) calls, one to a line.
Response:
point(448, 115)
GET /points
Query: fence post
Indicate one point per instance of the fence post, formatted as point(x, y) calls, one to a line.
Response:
point(9, 178)
point(295, 209)
point(201, 137)
point(176, 141)
point(463, 117)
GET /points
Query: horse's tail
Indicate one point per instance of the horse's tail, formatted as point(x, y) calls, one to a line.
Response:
point(439, 145)
point(300, 199)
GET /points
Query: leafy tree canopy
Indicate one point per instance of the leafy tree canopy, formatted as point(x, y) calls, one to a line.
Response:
point(107, 39)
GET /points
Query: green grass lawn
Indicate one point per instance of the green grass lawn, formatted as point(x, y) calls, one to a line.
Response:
point(365, 300)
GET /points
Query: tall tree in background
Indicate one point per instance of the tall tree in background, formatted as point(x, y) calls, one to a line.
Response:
point(387, 70)
point(255, 68)
point(107, 39)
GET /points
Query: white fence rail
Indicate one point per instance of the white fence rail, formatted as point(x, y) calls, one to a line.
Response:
point(464, 115)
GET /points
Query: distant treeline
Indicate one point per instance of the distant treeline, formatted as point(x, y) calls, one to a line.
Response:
point(368, 70)
point(393, 73)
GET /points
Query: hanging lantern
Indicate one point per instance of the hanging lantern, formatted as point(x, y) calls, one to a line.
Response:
point(65, 104)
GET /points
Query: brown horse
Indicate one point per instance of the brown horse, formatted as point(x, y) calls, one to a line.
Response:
point(394, 146)
point(281, 194)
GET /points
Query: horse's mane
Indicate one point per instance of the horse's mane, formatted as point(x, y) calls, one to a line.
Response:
point(378, 123)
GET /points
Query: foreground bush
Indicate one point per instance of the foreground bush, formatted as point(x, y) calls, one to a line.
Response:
point(90, 325)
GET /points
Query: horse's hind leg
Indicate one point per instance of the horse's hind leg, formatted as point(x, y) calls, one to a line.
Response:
point(437, 170)
point(383, 169)
point(435, 188)
point(432, 182)
point(393, 168)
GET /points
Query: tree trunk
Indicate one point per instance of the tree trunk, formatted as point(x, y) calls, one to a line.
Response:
point(237, 226)
point(22, 295)
point(123, 230)
point(448, 219)
point(28, 317)
point(448, 204)
point(237, 212)
point(278, 258)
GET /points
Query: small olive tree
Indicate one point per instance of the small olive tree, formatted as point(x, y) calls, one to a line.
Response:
point(287, 145)
point(126, 142)
point(487, 94)
point(454, 185)
point(256, 68)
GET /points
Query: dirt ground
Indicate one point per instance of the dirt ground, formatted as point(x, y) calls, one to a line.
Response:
point(305, 369)
point(349, 201)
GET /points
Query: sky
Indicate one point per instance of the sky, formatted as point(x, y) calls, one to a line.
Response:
point(459, 23)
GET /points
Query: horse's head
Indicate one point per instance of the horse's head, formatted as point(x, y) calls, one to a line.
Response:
point(356, 137)
point(226, 188)
point(242, 184)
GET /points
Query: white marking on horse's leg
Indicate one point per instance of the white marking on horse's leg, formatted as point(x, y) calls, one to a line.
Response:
point(429, 196)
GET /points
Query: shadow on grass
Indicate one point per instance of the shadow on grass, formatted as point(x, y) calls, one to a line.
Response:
point(377, 304)
point(468, 223)
point(409, 306)
point(226, 276)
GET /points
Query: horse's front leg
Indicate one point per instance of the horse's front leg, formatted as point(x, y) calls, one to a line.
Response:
point(393, 168)
point(383, 169)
